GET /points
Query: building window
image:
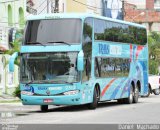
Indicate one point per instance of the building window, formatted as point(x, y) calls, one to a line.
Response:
point(10, 20)
point(21, 17)
point(157, 4)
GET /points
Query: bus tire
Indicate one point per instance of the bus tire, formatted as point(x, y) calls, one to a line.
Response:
point(94, 104)
point(135, 94)
point(44, 108)
point(149, 91)
point(129, 100)
point(156, 91)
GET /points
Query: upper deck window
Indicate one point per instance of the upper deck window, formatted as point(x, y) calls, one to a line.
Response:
point(53, 32)
point(117, 32)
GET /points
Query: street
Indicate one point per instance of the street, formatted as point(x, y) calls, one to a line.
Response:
point(145, 112)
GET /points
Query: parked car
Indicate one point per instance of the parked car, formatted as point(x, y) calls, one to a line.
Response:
point(154, 85)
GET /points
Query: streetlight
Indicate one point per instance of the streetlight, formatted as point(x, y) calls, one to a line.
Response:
point(141, 14)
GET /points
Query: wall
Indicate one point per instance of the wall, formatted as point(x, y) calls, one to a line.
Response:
point(150, 17)
point(72, 6)
point(12, 15)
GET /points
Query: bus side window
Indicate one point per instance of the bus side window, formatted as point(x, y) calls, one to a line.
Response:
point(87, 48)
point(87, 70)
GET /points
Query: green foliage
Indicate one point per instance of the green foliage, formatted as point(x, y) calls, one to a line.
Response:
point(153, 67)
point(15, 46)
point(17, 92)
point(154, 52)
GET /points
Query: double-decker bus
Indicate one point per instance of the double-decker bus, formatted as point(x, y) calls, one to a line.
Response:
point(74, 59)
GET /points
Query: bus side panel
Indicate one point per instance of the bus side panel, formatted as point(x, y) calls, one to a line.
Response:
point(140, 65)
point(113, 88)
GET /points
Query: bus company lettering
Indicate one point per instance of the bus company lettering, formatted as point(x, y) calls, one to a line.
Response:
point(54, 88)
point(42, 88)
point(115, 50)
point(49, 88)
point(103, 49)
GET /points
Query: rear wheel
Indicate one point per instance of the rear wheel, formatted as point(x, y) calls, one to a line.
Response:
point(135, 94)
point(129, 100)
point(44, 108)
point(156, 91)
point(94, 104)
point(149, 91)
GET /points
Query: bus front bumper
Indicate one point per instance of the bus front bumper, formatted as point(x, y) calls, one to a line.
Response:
point(51, 100)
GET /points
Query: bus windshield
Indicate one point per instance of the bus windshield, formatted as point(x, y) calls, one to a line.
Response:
point(53, 32)
point(49, 67)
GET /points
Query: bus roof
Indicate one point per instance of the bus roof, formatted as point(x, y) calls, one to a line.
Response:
point(79, 15)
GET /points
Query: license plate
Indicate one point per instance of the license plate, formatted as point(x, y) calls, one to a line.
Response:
point(47, 100)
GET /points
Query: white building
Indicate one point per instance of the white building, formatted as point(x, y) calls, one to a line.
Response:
point(12, 14)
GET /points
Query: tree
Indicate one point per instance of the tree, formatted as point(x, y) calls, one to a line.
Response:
point(15, 46)
point(154, 52)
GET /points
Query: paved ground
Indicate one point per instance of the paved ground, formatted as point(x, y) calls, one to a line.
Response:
point(146, 111)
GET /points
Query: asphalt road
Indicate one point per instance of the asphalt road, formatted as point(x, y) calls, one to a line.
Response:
point(147, 111)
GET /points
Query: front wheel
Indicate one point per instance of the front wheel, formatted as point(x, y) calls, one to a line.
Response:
point(44, 108)
point(129, 100)
point(156, 91)
point(94, 104)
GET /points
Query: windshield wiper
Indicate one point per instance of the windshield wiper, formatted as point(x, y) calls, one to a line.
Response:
point(37, 43)
point(59, 42)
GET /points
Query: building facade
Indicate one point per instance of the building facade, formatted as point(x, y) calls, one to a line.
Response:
point(37, 7)
point(12, 15)
point(145, 12)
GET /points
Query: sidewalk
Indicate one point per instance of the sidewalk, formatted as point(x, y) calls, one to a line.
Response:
point(5, 98)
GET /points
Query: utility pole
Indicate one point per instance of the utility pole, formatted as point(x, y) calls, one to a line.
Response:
point(52, 6)
point(56, 6)
point(123, 10)
point(47, 6)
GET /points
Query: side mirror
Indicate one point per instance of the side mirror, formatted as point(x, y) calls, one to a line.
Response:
point(80, 61)
point(11, 61)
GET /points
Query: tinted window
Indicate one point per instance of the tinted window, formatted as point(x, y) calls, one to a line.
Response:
point(111, 67)
point(49, 67)
point(118, 32)
point(87, 47)
point(44, 31)
point(99, 27)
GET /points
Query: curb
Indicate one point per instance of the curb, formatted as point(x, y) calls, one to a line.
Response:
point(12, 104)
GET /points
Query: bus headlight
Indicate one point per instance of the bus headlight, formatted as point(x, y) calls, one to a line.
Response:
point(72, 92)
point(26, 93)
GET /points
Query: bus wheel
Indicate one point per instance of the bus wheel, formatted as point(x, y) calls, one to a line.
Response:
point(149, 91)
point(135, 94)
point(94, 104)
point(44, 108)
point(129, 100)
point(156, 91)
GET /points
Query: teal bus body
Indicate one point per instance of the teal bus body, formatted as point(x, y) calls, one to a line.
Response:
point(110, 85)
